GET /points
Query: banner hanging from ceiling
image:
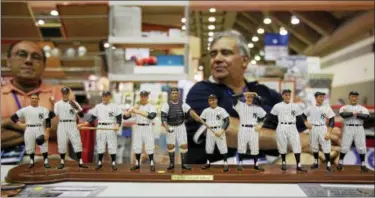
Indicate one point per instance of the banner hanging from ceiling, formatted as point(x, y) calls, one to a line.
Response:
point(275, 46)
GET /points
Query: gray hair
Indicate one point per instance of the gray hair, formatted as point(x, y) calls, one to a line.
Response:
point(241, 41)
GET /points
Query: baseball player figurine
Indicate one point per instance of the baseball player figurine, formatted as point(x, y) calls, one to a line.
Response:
point(144, 114)
point(35, 132)
point(353, 115)
point(109, 120)
point(173, 116)
point(287, 113)
point(315, 119)
point(217, 119)
point(250, 114)
point(67, 111)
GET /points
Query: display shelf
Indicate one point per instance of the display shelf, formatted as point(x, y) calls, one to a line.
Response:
point(146, 77)
point(159, 70)
point(156, 42)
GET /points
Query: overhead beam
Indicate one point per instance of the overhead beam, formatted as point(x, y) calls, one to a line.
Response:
point(245, 31)
point(303, 33)
point(322, 22)
point(229, 20)
point(282, 5)
point(343, 35)
point(296, 44)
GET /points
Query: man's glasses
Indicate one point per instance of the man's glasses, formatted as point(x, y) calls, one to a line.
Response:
point(23, 54)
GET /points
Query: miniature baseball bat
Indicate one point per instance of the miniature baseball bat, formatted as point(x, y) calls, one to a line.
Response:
point(209, 128)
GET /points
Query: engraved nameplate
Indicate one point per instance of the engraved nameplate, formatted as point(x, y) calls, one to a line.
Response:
point(192, 177)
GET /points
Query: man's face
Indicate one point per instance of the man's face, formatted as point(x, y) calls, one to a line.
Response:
point(319, 99)
point(66, 96)
point(175, 95)
point(225, 59)
point(286, 97)
point(212, 102)
point(144, 99)
point(106, 98)
point(353, 99)
point(249, 99)
point(34, 100)
point(26, 61)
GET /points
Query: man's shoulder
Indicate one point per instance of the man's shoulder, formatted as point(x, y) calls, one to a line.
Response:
point(203, 87)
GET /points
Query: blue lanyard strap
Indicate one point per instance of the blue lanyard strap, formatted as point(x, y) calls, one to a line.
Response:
point(16, 99)
point(230, 93)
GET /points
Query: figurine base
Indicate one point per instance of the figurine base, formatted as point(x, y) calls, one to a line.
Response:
point(215, 174)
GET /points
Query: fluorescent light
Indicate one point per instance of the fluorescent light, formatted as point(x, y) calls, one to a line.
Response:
point(250, 45)
point(183, 27)
point(283, 31)
point(211, 19)
point(294, 20)
point(267, 20)
point(212, 10)
point(54, 13)
point(253, 62)
point(106, 45)
point(257, 58)
point(183, 20)
point(41, 22)
point(211, 27)
point(210, 34)
point(260, 30)
point(255, 38)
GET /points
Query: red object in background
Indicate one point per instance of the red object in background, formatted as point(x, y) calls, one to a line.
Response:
point(88, 141)
point(139, 62)
point(152, 60)
point(145, 61)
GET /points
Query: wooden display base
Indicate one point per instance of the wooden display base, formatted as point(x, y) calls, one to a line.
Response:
point(272, 174)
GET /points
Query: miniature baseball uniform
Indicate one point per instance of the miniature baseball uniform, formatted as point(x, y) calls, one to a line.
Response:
point(173, 116)
point(109, 120)
point(354, 116)
point(144, 115)
point(218, 120)
point(67, 110)
point(315, 119)
point(287, 113)
point(250, 115)
point(38, 124)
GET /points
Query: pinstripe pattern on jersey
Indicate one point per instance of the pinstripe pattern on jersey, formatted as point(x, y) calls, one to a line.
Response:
point(106, 113)
point(144, 134)
point(353, 133)
point(287, 132)
point(179, 133)
point(215, 118)
point(30, 135)
point(67, 130)
point(317, 115)
point(247, 136)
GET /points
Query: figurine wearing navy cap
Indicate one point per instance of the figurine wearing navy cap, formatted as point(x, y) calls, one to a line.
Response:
point(217, 119)
point(286, 114)
point(315, 119)
point(353, 115)
point(144, 114)
point(67, 110)
point(109, 120)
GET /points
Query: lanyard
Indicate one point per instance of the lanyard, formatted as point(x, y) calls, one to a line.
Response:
point(230, 93)
point(16, 99)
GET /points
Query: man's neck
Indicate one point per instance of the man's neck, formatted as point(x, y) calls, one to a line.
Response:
point(26, 86)
point(236, 85)
point(36, 105)
point(319, 104)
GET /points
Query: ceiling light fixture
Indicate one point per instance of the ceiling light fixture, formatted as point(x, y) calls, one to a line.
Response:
point(294, 20)
point(250, 45)
point(257, 58)
point(255, 39)
point(211, 27)
point(41, 22)
point(212, 10)
point(183, 20)
point(211, 19)
point(253, 62)
point(260, 30)
point(267, 20)
point(54, 13)
point(261, 53)
point(210, 34)
point(106, 45)
point(283, 31)
point(183, 27)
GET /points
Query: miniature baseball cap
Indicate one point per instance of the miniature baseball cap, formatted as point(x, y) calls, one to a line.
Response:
point(286, 91)
point(106, 93)
point(318, 93)
point(65, 90)
point(212, 96)
point(354, 93)
point(144, 93)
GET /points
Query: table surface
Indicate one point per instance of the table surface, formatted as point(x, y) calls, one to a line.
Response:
point(190, 189)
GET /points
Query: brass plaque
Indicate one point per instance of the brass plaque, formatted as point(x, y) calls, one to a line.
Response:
point(192, 177)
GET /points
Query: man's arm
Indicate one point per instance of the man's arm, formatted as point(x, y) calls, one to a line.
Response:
point(346, 114)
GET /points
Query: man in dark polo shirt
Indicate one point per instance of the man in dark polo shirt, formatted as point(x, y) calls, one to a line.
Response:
point(229, 57)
